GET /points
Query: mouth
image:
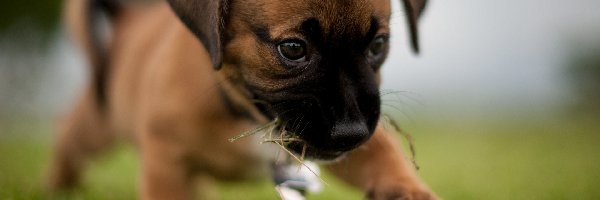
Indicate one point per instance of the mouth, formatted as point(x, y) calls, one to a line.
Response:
point(277, 133)
point(316, 129)
point(309, 152)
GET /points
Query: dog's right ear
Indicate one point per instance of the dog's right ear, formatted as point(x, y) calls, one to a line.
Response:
point(414, 9)
point(206, 19)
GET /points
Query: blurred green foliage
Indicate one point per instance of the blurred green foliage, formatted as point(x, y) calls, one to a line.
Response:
point(583, 71)
point(40, 16)
point(40, 13)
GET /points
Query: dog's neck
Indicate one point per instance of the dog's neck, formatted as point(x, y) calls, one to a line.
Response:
point(236, 99)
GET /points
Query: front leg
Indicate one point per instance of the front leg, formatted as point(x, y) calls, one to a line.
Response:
point(379, 168)
point(164, 173)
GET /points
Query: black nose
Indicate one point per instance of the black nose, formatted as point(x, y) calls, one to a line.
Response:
point(345, 137)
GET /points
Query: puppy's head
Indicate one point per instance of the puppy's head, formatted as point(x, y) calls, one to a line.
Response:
point(314, 64)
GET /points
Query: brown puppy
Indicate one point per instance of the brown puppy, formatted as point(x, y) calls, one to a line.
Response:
point(181, 90)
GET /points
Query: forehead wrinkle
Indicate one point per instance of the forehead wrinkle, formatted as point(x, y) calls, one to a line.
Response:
point(280, 16)
point(338, 17)
point(382, 9)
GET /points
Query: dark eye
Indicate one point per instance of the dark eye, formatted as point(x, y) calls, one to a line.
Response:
point(294, 50)
point(377, 46)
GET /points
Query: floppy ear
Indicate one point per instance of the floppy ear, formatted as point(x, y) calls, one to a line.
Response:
point(414, 8)
point(206, 19)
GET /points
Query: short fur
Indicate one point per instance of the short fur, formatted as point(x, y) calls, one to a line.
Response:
point(179, 79)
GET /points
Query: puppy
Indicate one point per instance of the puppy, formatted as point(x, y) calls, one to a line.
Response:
point(179, 78)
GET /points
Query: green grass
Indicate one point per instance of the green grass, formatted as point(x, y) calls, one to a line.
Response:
point(459, 159)
point(551, 160)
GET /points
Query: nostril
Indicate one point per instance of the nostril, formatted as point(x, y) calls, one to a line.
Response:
point(346, 137)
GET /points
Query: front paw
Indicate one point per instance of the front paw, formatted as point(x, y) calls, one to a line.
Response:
point(404, 192)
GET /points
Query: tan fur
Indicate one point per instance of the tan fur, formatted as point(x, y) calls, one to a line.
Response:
point(164, 97)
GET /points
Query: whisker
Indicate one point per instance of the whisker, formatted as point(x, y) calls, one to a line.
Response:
point(397, 102)
point(400, 111)
point(405, 94)
point(304, 128)
point(299, 124)
point(294, 124)
point(387, 92)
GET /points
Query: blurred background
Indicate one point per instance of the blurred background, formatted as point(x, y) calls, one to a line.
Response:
point(503, 102)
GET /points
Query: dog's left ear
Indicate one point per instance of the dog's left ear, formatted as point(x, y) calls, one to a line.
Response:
point(206, 19)
point(414, 8)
